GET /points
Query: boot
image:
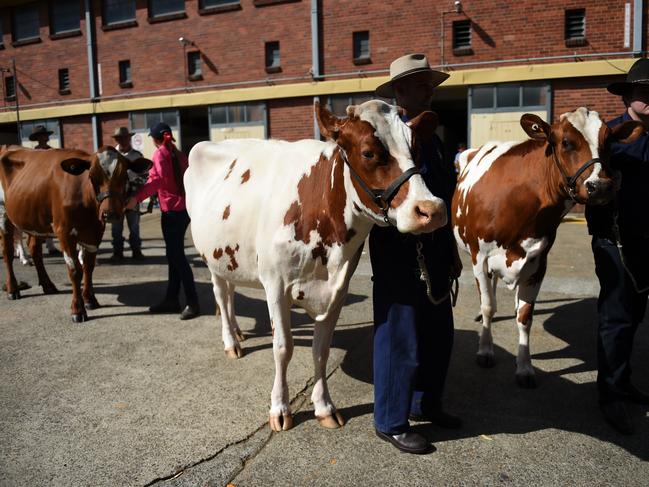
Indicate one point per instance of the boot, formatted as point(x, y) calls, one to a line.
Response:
point(137, 254)
point(118, 256)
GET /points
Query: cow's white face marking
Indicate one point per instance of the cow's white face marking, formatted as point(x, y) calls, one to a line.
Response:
point(588, 124)
point(108, 160)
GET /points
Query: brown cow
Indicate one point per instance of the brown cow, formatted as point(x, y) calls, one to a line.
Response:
point(64, 193)
point(510, 200)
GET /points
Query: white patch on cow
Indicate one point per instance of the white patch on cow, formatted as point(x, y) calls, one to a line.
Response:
point(69, 261)
point(588, 124)
point(496, 259)
point(480, 164)
point(108, 160)
point(80, 256)
point(3, 211)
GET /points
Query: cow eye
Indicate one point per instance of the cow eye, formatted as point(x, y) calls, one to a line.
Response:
point(368, 154)
point(567, 145)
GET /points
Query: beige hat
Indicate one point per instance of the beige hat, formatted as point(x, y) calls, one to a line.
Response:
point(405, 66)
point(122, 132)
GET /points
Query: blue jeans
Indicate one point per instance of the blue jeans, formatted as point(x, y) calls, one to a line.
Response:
point(174, 225)
point(620, 309)
point(133, 221)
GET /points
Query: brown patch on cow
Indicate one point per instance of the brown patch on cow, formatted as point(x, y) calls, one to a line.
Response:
point(351, 233)
point(233, 262)
point(245, 176)
point(514, 253)
point(218, 253)
point(319, 252)
point(226, 212)
point(524, 314)
point(300, 295)
point(230, 170)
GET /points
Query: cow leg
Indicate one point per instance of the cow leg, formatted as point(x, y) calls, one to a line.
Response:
point(224, 296)
point(23, 256)
point(279, 310)
point(485, 356)
point(75, 273)
point(88, 260)
point(36, 249)
point(525, 298)
point(7, 229)
point(234, 326)
point(325, 411)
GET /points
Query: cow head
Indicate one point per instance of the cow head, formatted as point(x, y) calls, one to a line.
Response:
point(108, 175)
point(376, 144)
point(578, 143)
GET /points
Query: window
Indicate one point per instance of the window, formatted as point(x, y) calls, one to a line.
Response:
point(207, 6)
point(361, 41)
point(462, 37)
point(194, 70)
point(166, 8)
point(507, 97)
point(241, 113)
point(10, 88)
point(26, 24)
point(272, 57)
point(125, 80)
point(575, 31)
point(482, 97)
point(64, 81)
point(52, 124)
point(65, 17)
point(119, 12)
point(338, 103)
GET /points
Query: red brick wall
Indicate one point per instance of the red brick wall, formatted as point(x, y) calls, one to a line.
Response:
point(108, 123)
point(291, 119)
point(569, 94)
point(77, 132)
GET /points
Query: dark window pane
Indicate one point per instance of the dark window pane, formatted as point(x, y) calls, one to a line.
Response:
point(138, 121)
point(236, 113)
point(164, 7)
point(64, 79)
point(575, 24)
point(194, 63)
point(533, 95)
point(26, 23)
point(482, 97)
point(152, 118)
point(339, 104)
point(116, 11)
point(272, 54)
point(362, 98)
point(219, 114)
point(216, 3)
point(66, 16)
point(256, 112)
point(361, 45)
point(170, 117)
point(124, 71)
point(507, 96)
point(461, 34)
point(10, 88)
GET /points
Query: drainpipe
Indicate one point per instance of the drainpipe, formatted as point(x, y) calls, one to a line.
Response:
point(92, 70)
point(637, 27)
point(315, 56)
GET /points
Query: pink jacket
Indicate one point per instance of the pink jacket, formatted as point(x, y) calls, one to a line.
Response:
point(161, 180)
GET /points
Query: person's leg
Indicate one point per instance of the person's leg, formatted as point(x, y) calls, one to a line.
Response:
point(169, 232)
point(117, 227)
point(184, 269)
point(134, 240)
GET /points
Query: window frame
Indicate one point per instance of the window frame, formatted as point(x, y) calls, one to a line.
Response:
point(194, 56)
point(63, 74)
point(229, 6)
point(128, 82)
point(494, 108)
point(63, 33)
point(574, 41)
point(273, 68)
point(461, 50)
point(356, 41)
point(180, 14)
point(28, 40)
point(106, 25)
point(5, 87)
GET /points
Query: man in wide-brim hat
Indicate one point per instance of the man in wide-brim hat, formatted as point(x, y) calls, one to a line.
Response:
point(41, 135)
point(413, 337)
point(620, 245)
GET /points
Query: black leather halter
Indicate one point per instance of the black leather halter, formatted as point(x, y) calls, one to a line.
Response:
point(103, 195)
point(571, 182)
point(381, 197)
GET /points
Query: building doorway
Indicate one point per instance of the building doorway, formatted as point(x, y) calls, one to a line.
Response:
point(195, 127)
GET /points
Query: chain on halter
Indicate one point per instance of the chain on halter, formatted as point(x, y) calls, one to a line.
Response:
point(453, 289)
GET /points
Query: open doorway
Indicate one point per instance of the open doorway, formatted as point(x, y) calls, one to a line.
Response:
point(450, 104)
point(194, 127)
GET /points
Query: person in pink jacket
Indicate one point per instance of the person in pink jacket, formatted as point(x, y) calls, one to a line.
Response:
point(166, 179)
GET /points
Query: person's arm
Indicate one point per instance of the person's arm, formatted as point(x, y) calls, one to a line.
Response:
point(153, 184)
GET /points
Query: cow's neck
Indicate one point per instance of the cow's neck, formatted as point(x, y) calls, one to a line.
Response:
point(556, 201)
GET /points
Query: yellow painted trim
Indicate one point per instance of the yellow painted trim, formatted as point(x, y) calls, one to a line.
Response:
point(334, 86)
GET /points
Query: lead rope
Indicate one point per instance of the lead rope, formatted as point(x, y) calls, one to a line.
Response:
point(618, 243)
point(454, 287)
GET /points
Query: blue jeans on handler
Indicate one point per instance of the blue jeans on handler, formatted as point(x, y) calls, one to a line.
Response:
point(413, 339)
point(620, 309)
point(174, 225)
point(133, 220)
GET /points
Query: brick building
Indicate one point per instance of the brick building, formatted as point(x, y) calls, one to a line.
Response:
point(216, 69)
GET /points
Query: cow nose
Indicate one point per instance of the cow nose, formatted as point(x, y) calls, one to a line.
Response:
point(590, 187)
point(600, 191)
point(430, 214)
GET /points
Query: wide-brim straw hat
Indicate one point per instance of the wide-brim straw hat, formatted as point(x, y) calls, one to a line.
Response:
point(638, 75)
point(406, 66)
point(122, 132)
point(39, 130)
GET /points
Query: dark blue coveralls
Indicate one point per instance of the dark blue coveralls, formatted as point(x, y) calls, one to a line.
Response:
point(412, 337)
point(620, 306)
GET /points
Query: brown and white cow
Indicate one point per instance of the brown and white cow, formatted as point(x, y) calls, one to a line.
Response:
point(64, 193)
point(291, 217)
point(509, 201)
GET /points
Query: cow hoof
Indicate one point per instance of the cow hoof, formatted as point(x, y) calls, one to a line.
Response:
point(281, 423)
point(333, 421)
point(92, 304)
point(478, 318)
point(485, 361)
point(526, 381)
point(14, 295)
point(234, 353)
point(240, 336)
point(79, 317)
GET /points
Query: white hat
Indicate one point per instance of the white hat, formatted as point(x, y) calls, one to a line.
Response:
point(405, 66)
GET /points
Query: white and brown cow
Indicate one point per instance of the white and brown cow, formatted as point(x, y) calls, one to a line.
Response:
point(65, 193)
point(509, 201)
point(292, 217)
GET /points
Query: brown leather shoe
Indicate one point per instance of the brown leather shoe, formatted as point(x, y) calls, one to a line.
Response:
point(409, 442)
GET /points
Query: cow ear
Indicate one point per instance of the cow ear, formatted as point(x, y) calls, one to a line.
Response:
point(626, 132)
point(535, 127)
point(75, 166)
point(329, 124)
point(140, 165)
point(424, 125)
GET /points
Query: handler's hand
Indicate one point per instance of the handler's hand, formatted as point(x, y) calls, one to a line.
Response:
point(131, 203)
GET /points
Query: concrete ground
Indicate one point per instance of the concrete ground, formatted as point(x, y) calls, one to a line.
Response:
point(130, 398)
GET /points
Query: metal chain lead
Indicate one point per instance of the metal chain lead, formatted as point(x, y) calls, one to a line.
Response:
point(453, 290)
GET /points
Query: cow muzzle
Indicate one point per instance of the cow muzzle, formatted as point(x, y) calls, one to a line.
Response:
point(427, 216)
point(599, 192)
